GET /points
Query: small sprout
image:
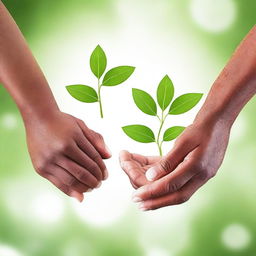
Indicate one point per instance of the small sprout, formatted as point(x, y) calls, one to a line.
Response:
point(98, 64)
point(146, 103)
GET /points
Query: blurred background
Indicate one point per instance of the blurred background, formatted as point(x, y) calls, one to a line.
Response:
point(190, 40)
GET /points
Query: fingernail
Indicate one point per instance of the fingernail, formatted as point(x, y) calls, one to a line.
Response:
point(151, 174)
point(108, 150)
point(137, 192)
point(142, 207)
point(78, 196)
point(136, 199)
point(105, 174)
point(99, 184)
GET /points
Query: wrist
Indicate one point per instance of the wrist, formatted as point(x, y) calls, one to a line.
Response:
point(212, 115)
point(32, 114)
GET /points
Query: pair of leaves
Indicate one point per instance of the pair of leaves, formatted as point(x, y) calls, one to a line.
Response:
point(98, 64)
point(115, 76)
point(144, 134)
point(165, 93)
point(146, 103)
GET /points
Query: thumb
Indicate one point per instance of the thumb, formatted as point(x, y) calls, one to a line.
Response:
point(169, 163)
point(96, 140)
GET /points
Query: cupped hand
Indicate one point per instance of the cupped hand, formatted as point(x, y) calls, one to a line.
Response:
point(174, 178)
point(67, 153)
point(135, 166)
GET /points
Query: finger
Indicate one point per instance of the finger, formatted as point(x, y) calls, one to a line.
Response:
point(145, 160)
point(79, 172)
point(96, 140)
point(125, 155)
point(169, 183)
point(66, 183)
point(78, 156)
point(134, 173)
point(178, 197)
point(87, 148)
point(170, 161)
point(69, 180)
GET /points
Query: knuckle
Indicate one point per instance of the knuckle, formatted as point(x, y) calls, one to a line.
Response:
point(151, 193)
point(96, 157)
point(71, 182)
point(183, 198)
point(135, 178)
point(82, 175)
point(165, 165)
point(171, 187)
point(98, 136)
point(76, 134)
point(62, 147)
point(65, 189)
point(206, 174)
point(93, 166)
point(41, 166)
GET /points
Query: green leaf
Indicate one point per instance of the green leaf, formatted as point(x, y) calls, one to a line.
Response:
point(139, 133)
point(184, 103)
point(173, 132)
point(117, 75)
point(82, 93)
point(165, 92)
point(144, 102)
point(98, 61)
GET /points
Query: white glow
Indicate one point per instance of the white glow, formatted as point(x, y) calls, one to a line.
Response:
point(157, 252)
point(106, 205)
point(6, 250)
point(239, 129)
point(44, 205)
point(162, 222)
point(236, 237)
point(47, 207)
point(9, 121)
point(213, 15)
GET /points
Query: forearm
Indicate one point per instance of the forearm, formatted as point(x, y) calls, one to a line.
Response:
point(235, 86)
point(20, 73)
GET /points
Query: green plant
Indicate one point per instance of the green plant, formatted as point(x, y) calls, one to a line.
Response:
point(147, 104)
point(98, 64)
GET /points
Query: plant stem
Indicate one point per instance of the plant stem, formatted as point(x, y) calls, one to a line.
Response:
point(160, 150)
point(100, 102)
point(158, 142)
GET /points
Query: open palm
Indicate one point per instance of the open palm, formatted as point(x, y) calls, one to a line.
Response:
point(136, 166)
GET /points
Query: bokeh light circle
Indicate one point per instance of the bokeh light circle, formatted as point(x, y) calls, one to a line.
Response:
point(157, 252)
point(213, 15)
point(9, 121)
point(236, 237)
point(104, 206)
point(6, 250)
point(47, 207)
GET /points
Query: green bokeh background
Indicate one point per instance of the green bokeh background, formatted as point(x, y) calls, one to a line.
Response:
point(226, 200)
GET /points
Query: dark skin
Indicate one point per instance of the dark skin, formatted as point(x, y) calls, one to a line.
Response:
point(199, 151)
point(62, 148)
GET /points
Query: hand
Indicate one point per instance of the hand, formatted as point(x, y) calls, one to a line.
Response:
point(136, 165)
point(67, 153)
point(194, 159)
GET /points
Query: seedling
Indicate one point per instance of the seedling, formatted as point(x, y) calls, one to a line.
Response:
point(98, 64)
point(147, 104)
